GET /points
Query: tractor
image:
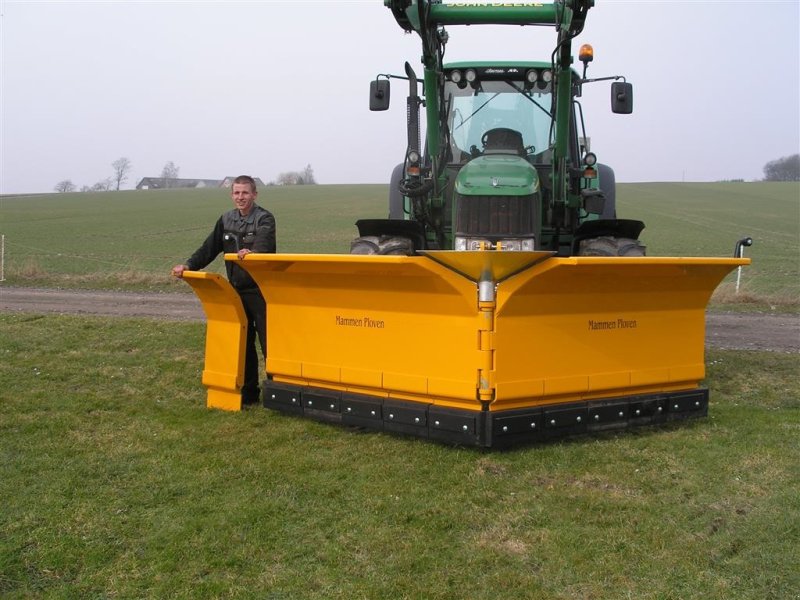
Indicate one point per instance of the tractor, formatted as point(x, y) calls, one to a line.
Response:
point(506, 163)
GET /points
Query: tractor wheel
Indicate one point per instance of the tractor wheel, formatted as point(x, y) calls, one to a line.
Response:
point(386, 245)
point(364, 245)
point(611, 246)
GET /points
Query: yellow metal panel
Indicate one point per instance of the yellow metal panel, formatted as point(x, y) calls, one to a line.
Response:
point(292, 368)
point(679, 373)
point(354, 389)
point(405, 318)
point(404, 382)
point(226, 332)
point(449, 387)
point(568, 320)
point(524, 388)
point(223, 399)
point(362, 378)
point(221, 380)
point(575, 385)
point(647, 377)
point(609, 381)
point(330, 373)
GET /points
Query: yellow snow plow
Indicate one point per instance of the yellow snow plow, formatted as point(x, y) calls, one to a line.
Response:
point(478, 348)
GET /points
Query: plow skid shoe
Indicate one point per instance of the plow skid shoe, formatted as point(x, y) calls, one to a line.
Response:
point(486, 348)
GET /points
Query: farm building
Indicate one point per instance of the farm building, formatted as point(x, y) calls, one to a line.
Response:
point(228, 181)
point(161, 183)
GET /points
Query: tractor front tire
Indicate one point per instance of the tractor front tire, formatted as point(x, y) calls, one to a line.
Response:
point(611, 246)
point(385, 245)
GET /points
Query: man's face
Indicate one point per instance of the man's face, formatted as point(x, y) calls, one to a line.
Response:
point(243, 197)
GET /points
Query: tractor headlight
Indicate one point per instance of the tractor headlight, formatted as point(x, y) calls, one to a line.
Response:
point(455, 76)
point(547, 76)
point(471, 75)
point(463, 244)
point(516, 245)
point(466, 243)
point(531, 76)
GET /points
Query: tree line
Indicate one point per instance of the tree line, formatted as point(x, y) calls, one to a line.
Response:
point(121, 168)
point(783, 169)
point(304, 177)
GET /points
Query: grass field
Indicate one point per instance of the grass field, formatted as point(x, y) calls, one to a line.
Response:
point(130, 240)
point(116, 482)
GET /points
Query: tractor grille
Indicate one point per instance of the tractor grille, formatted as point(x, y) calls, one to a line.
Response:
point(495, 216)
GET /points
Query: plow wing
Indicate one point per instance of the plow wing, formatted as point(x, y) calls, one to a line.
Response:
point(481, 348)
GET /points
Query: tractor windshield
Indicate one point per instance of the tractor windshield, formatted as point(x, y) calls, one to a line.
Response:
point(497, 104)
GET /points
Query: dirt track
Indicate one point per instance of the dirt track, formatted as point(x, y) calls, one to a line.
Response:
point(745, 331)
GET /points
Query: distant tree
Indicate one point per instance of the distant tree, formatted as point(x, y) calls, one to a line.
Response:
point(65, 186)
point(169, 174)
point(783, 169)
point(122, 167)
point(102, 186)
point(288, 178)
point(304, 177)
point(308, 176)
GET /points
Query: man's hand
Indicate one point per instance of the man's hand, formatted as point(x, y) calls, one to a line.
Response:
point(177, 271)
point(243, 252)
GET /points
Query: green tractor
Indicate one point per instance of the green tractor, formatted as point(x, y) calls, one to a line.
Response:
point(505, 164)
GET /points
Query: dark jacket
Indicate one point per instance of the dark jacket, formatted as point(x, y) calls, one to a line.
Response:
point(232, 233)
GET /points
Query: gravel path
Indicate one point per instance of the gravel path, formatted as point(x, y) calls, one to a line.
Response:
point(742, 331)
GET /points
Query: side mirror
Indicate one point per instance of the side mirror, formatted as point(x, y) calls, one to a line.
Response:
point(379, 94)
point(621, 97)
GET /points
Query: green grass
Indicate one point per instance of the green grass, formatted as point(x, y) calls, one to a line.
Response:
point(706, 219)
point(115, 481)
point(130, 240)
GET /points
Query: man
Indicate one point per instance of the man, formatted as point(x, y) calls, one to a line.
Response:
point(245, 229)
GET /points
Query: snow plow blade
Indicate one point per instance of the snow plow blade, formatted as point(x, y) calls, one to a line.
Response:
point(486, 348)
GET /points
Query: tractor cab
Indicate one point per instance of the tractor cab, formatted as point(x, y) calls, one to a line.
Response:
point(498, 109)
point(498, 130)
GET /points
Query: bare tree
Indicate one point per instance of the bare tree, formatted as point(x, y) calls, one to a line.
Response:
point(169, 174)
point(65, 186)
point(288, 178)
point(304, 177)
point(105, 185)
point(308, 175)
point(102, 186)
point(122, 167)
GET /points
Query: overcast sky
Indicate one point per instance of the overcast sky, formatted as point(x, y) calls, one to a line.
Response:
point(260, 87)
